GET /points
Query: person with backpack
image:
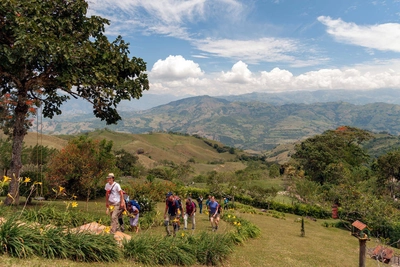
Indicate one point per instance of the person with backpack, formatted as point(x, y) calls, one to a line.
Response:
point(190, 212)
point(171, 213)
point(226, 203)
point(215, 210)
point(121, 216)
point(180, 211)
point(133, 209)
point(115, 203)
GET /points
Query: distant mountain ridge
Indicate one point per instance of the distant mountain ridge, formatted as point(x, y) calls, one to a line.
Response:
point(357, 97)
point(149, 100)
point(248, 125)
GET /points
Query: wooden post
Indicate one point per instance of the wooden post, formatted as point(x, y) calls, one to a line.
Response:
point(363, 248)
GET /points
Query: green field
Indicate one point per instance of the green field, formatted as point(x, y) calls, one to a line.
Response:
point(280, 243)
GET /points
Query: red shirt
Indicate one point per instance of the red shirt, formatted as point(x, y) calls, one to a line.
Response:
point(189, 207)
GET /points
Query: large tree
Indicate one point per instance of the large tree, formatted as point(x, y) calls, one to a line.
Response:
point(325, 157)
point(51, 51)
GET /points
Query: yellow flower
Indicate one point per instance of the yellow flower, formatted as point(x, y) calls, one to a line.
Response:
point(111, 208)
point(74, 204)
point(229, 216)
point(61, 188)
point(239, 224)
point(107, 229)
point(183, 234)
point(27, 180)
point(234, 217)
point(235, 223)
point(6, 179)
point(124, 213)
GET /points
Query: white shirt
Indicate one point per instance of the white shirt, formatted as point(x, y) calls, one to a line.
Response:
point(114, 196)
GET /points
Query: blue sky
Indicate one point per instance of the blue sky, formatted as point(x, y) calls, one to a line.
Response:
point(224, 47)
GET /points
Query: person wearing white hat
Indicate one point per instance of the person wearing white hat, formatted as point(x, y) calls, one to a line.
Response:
point(114, 201)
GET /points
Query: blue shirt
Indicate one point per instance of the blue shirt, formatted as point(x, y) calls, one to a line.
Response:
point(213, 207)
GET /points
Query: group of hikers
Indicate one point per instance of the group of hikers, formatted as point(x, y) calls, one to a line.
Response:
point(118, 203)
point(174, 210)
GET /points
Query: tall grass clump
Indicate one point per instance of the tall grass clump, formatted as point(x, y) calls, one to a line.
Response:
point(19, 240)
point(141, 249)
point(153, 250)
point(244, 228)
point(54, 244)
point(88, 247)
point(184, 250)
point(213, 249)
point(50, 214)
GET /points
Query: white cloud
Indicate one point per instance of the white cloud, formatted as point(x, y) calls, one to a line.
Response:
point(275, 80)
point(240, 79)
point(238, 74)
point(175, 68)
point(160, 17)
point(384, 37)
point(252, 51)
point(167, 17)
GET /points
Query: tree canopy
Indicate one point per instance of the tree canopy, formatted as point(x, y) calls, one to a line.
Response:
point(325, 156)
point(51, 51)
point(81, 165)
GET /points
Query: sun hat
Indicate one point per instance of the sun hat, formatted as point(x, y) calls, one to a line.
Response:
point(110, 175)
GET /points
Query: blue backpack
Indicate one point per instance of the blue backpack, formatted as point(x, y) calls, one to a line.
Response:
point(134, 203)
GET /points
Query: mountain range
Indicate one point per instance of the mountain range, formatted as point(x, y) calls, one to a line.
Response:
point(248, 121)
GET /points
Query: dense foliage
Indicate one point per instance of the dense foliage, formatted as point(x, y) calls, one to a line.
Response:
point(81, 165)
point(50, 50)
point(334, 168)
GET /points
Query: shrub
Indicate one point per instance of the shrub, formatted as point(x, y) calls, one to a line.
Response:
point(19, 240)
point(88, 247)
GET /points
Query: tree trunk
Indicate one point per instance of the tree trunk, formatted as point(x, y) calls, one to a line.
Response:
point(87, 199)
point(19, 132)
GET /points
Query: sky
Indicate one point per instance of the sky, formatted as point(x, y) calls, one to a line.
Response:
point(232, 47)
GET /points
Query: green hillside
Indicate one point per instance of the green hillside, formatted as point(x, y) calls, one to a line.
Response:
point(156, 147)
point(245, 125)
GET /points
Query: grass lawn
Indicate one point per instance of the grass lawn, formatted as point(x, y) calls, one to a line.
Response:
point(280, 243)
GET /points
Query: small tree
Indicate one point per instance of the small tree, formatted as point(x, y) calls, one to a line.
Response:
point(125, 161)
point(81, 165)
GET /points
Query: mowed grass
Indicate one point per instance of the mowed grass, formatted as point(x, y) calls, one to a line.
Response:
point(280, 243)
